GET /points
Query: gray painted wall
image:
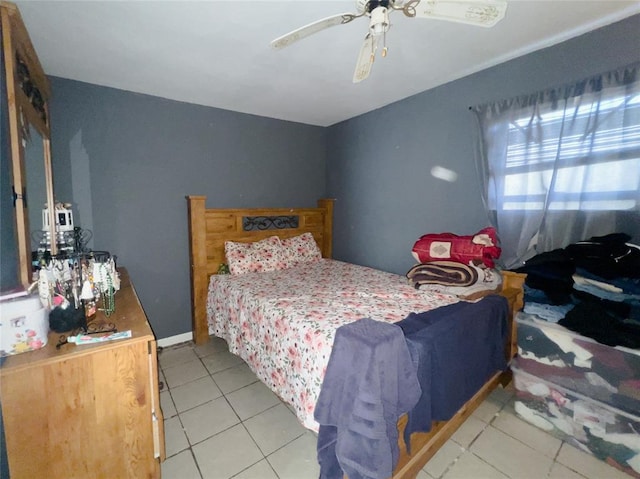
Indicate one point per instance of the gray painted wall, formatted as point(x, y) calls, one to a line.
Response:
point(128, 161)
point(379, 164)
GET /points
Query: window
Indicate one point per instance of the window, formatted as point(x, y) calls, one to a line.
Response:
point(587, 155)
point(562, 165)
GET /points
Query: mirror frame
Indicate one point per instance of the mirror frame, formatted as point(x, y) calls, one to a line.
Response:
point(22, 113)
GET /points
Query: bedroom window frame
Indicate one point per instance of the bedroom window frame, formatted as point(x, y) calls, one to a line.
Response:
point(612, 147)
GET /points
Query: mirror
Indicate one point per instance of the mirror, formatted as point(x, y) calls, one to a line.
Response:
point(9, 272)
point(36, 182)
point(36, 194)
point(27, 182)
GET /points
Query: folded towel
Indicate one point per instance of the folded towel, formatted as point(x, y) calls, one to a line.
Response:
point(449, 273)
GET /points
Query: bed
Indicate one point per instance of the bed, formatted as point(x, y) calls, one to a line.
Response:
point(250, 316)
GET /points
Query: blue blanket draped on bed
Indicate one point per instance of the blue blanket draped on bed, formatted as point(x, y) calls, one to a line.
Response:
point(456, 349)
point(378, 371)
point(370, 381)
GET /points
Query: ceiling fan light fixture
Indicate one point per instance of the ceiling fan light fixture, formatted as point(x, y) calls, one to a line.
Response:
point(379, 23)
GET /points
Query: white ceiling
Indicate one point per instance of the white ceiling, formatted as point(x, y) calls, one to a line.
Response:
point(217, 53)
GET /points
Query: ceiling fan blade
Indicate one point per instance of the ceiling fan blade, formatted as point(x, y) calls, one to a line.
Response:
point(365, 58)
point(483, 13)
point(311, 28)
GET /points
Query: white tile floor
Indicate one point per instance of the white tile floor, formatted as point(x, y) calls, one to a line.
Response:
point(221, 422)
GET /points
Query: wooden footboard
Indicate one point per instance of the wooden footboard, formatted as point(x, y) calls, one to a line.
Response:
point(425, 445)
point(210, 228)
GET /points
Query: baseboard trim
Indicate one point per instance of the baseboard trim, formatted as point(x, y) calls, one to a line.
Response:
point(178, 338)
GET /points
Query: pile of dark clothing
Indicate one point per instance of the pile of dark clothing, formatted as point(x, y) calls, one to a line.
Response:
point(591, 287)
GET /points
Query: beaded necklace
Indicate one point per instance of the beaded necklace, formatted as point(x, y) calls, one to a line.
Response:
point(108, 292)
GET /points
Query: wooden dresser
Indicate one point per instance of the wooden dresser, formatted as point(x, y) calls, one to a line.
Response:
point(87, 411)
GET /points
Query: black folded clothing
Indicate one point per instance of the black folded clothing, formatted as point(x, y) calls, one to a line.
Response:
point(593, 321)
point(607, 256)
point(551, 272)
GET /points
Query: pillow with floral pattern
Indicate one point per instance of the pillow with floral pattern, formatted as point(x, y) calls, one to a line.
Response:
point(301, 249)
point(259, 256)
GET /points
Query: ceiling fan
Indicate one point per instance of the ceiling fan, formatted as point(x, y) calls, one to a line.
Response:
point(482, 13)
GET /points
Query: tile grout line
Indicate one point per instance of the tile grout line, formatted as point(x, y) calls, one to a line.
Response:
point(195, 461)
point(241, 421)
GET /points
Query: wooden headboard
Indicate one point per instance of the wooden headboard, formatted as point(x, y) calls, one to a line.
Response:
point(210, 228)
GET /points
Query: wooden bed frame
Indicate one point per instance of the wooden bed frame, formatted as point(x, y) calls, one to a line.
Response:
point(210, 228)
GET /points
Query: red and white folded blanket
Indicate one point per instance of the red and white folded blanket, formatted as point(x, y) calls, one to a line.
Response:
point(480, 247)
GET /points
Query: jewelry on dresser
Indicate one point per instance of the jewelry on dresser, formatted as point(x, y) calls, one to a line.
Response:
point(108, 299)
point(82, 280)
point(45, 289)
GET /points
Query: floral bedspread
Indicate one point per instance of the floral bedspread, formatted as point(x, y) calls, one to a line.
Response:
point(282, 323)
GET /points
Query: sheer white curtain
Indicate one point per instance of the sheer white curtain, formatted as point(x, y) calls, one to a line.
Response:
point(562, 165)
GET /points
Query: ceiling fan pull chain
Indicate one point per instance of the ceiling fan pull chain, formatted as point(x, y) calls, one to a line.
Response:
point(384, 45)
point(373, 52)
